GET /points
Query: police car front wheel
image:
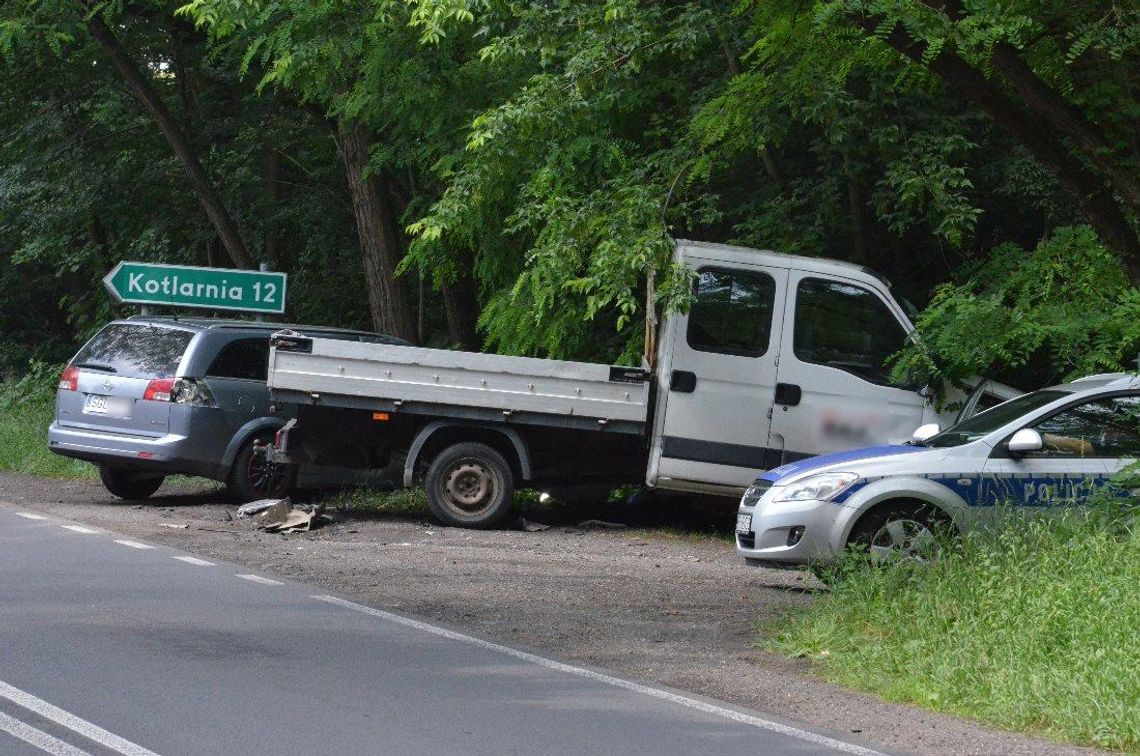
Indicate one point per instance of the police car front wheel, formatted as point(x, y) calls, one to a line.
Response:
point(900, 531)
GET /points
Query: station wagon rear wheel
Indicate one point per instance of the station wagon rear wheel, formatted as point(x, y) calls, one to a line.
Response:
point(469, 486)
point(253, 476)
point(128, 484)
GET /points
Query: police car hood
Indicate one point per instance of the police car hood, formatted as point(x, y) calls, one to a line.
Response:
point(883, 458)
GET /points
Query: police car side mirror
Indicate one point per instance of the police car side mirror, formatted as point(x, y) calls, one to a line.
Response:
point(924, 432)
point(1024, 441)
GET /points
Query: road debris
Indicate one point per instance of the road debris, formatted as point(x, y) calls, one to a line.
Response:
point(256, 507)
point(173, 525)
point(530, 526)
point(282, 517)
point(602, 524)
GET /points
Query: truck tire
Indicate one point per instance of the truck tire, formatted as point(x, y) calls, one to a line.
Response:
point(254, 477)
point(469, 486)
point(127, 484)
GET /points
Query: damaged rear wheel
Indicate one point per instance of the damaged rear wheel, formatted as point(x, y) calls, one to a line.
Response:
point(253, 476)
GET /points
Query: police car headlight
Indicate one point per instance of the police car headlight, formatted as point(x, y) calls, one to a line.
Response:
point(818, 487)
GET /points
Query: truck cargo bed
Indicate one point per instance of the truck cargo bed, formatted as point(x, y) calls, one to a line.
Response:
point(343, 373)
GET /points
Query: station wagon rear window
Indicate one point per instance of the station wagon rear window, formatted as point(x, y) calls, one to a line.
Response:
point(134, 349)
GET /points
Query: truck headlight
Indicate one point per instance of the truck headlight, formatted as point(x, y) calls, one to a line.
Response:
point(818, 487)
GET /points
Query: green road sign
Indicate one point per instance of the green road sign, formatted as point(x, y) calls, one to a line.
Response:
point(188, 286)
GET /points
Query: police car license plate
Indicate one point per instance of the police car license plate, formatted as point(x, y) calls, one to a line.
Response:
point(744, 522)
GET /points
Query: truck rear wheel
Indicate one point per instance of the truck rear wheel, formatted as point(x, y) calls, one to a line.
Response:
point(470, 486)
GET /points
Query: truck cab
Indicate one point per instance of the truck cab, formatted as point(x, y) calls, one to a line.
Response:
point(779, 358)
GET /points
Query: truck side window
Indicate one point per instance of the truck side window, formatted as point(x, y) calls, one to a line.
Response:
point(845, 326)
point(732, 312)
point(247, 360)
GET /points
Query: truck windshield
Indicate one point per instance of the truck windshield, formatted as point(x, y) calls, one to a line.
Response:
point(984, 423)
point(135, 350)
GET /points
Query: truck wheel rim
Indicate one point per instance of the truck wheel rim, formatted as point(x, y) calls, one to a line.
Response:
point(264, 476)
point(904, 539)
point(469, 486)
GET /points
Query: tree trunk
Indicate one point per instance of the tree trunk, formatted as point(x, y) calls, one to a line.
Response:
point(199, 181)
point(858, 228)
point(462, 308)
point(1068, 120)
point(379, 235)
point(766, 156)
point(273, 187)
point(1096, 202)
point(1042, 102)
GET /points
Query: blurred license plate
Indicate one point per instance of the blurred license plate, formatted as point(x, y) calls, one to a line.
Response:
point(744, 522)
point(97, 404)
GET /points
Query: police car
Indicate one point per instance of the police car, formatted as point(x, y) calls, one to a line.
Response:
point(1050, 446)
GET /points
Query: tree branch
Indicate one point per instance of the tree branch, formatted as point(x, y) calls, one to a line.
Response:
point(152, 103)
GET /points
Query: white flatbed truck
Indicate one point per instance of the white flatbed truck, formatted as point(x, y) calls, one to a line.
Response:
point(779, 358)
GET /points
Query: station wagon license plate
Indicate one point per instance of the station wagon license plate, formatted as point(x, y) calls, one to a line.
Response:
point(97, 404)
point(744, 522)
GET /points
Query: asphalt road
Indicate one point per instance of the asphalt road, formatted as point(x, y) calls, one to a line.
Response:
point(109, 645)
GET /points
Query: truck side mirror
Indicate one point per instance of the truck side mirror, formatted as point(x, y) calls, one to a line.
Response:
point(1024, 441)
point(924, 432)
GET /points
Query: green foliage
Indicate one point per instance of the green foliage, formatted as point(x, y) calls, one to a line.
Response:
point(1029, 626)
point(542, 154)
point(1066, 307)
point(407, 502)
point(27, 405)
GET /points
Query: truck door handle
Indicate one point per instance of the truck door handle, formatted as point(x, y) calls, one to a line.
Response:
point(788, 394)
point(683, 381)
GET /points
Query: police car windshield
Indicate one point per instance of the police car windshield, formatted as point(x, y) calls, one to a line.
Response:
point(984, 423)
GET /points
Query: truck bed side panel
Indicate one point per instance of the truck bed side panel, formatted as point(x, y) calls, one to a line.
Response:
point(464, 379)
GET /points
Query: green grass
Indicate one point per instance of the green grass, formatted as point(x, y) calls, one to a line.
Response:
point(407, 502)
point(1034, 626)
point(26, 409)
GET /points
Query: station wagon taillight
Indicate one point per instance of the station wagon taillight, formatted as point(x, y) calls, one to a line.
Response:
point(158, 390)
point(192, 392)
point(69, 379)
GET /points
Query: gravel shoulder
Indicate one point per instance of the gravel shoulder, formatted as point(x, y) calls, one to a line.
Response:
point(681, 611)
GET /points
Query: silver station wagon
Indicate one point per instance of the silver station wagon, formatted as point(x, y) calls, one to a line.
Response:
point(148, 396)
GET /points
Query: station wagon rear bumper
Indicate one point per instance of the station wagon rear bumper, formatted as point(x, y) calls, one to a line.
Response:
point(171, 453)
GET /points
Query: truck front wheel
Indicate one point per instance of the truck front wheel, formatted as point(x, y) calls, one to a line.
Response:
point(470, 486)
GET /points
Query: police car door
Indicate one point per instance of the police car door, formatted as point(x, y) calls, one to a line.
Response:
point(834, 389)
point(1084, 445)
point(721, 363)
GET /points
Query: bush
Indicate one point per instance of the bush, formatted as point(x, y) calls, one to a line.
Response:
point(27, 405)
point(1064, 309)
point(1030, 625)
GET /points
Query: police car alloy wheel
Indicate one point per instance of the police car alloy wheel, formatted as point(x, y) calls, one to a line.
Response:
point(904, 531)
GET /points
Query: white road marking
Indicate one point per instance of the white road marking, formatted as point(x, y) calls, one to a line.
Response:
point(30, 516)
point(92, 732)
point(38, 738)
point(135, 544)
point(79, 529)
point(194, 560)
point(617, 682)
point(259, 579)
